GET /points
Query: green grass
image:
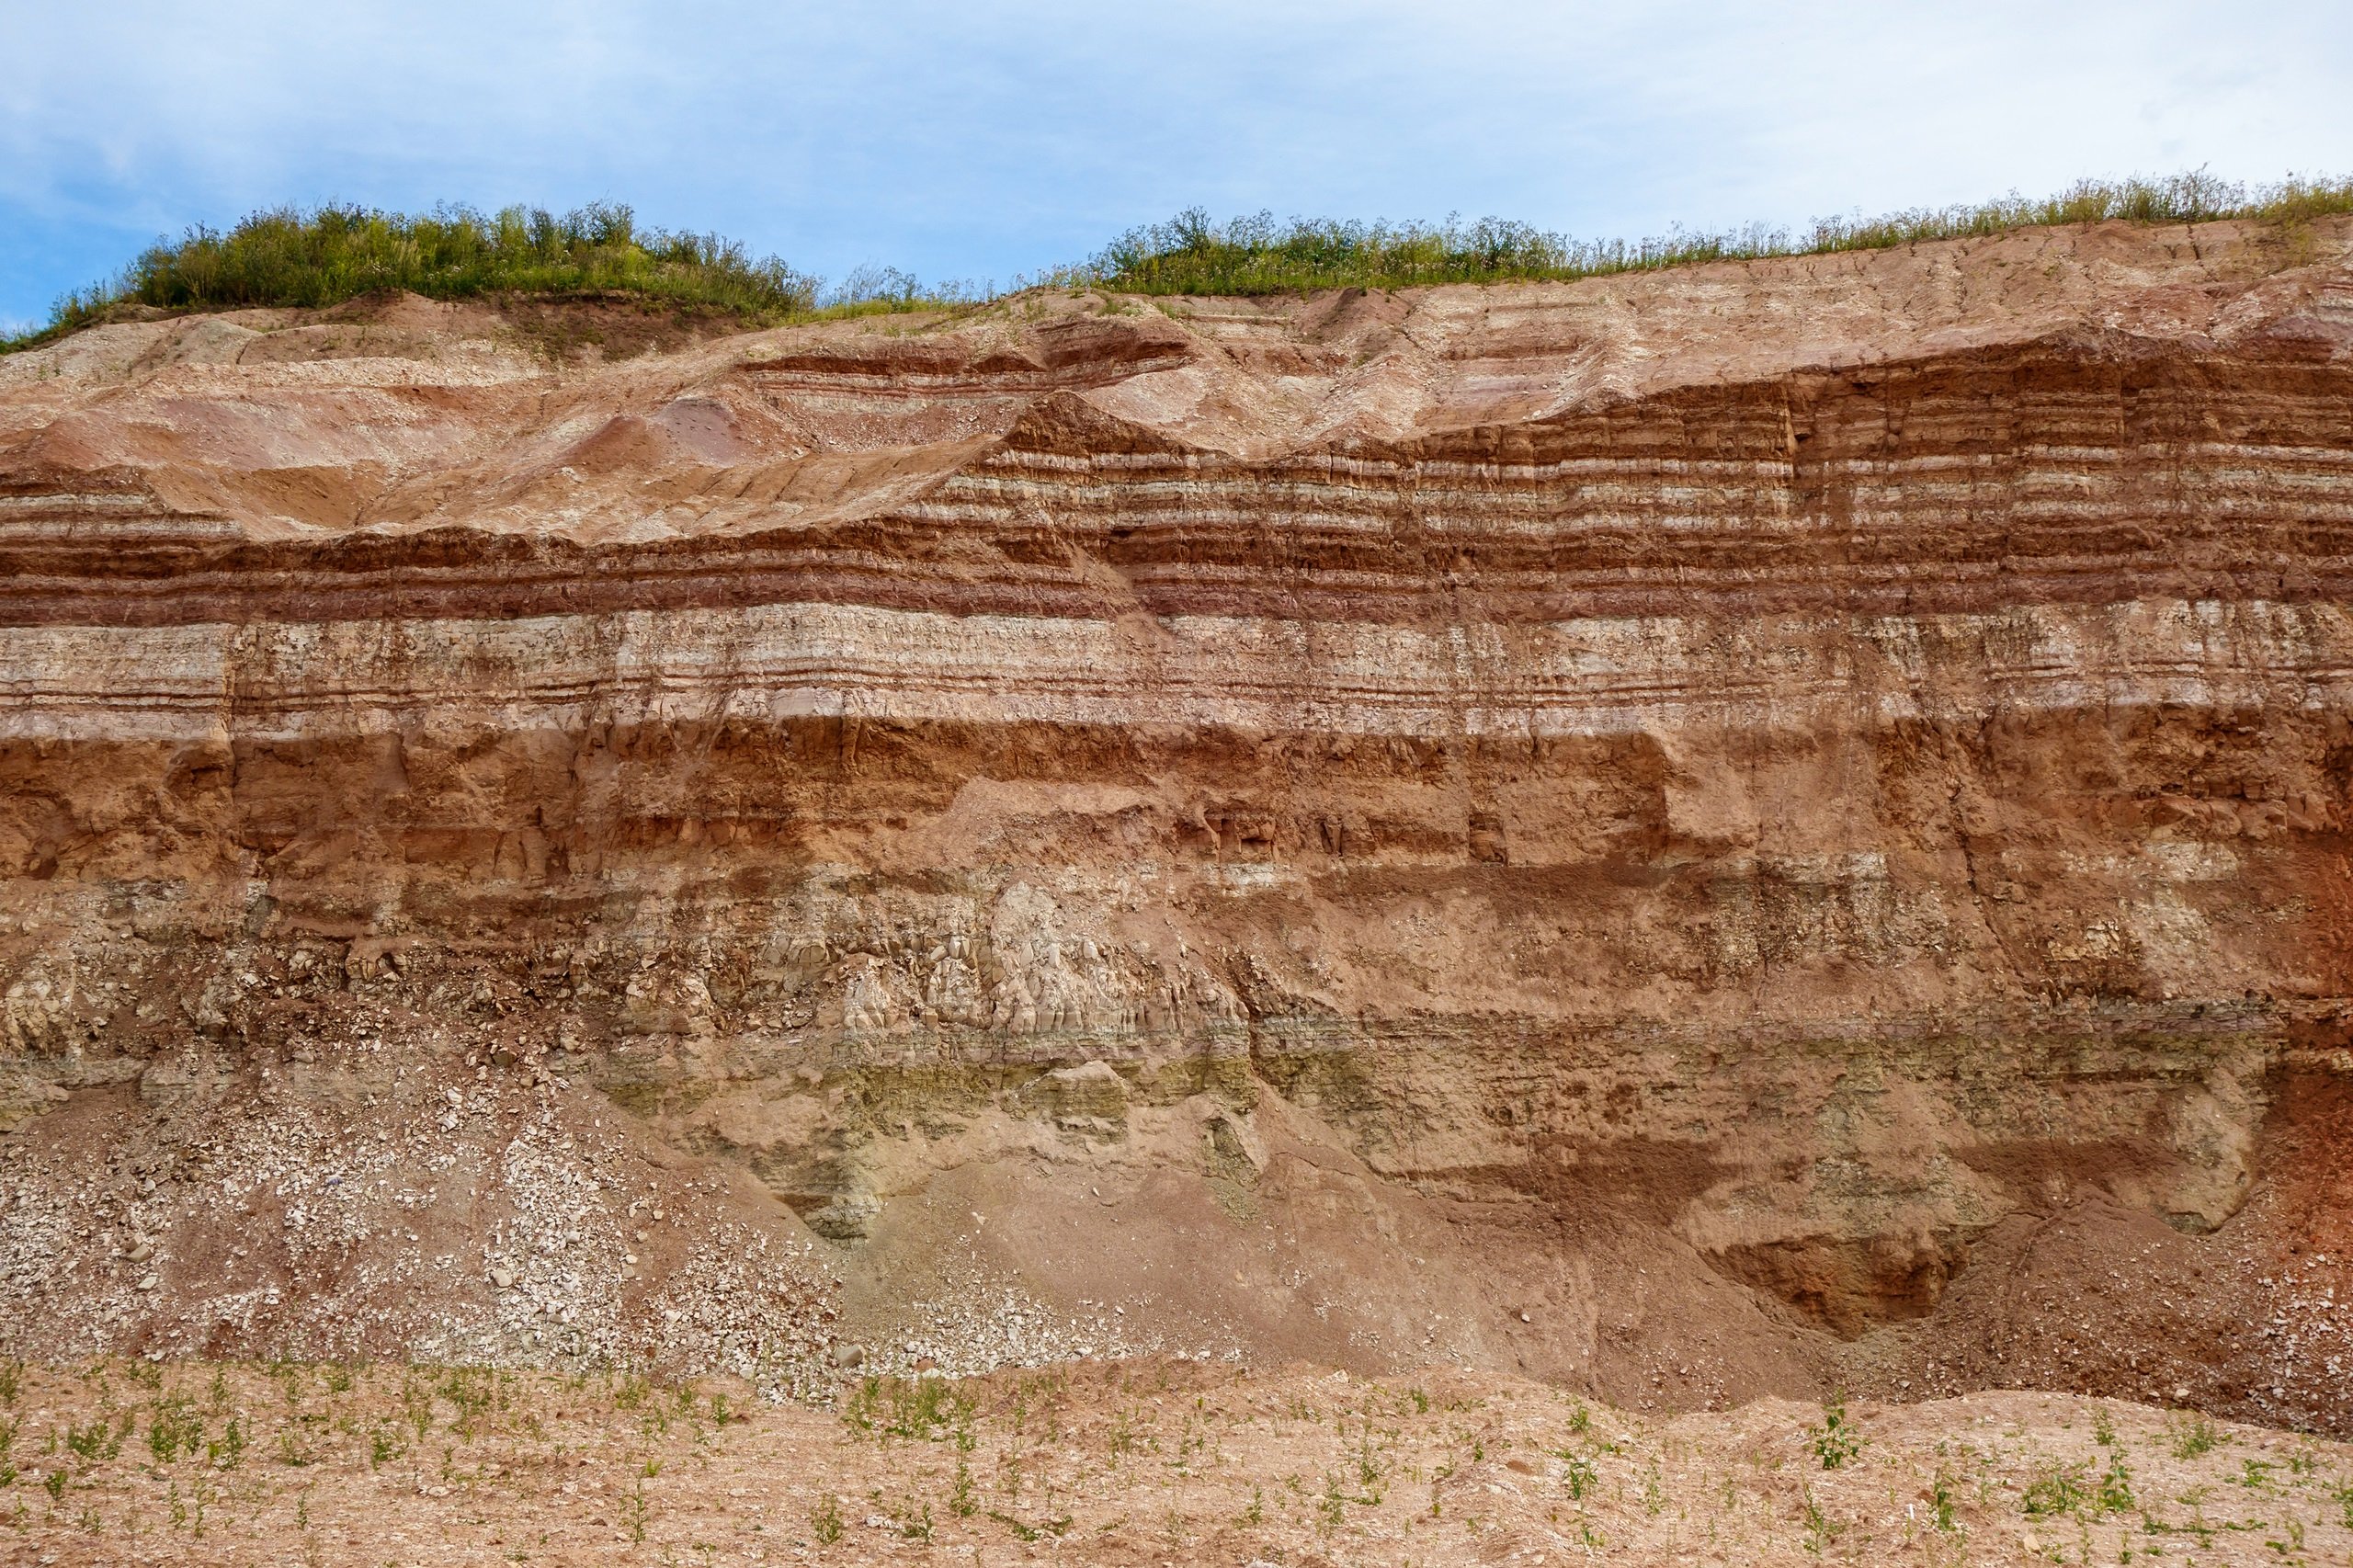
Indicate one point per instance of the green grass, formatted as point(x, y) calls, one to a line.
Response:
point(1192, 255)
point(327, 255)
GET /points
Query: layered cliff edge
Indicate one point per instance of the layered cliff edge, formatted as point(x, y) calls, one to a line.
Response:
point(1694, 835)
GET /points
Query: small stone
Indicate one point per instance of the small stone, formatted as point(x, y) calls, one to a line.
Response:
point(503, 1277)
point(142, 1252)
point(148, 1282)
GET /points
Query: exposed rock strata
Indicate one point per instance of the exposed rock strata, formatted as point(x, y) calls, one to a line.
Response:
point(1673, 831)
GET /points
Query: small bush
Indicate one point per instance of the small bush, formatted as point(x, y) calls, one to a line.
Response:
point(634, 1508)
point(471, 1390)
point(99, 1440)
point(2191, 1435)
point(1835, 1441)
point(229, 1448)
point(1192, 253)
point(1821, 1529)
point(1331, 1508)
point(2114, 1494)
point(923, 1409)
point(962, 1502)
point(383, 1446)
point(1943, 1499)
point(2058, 1491)
point(174, 1428)
point(289, 256)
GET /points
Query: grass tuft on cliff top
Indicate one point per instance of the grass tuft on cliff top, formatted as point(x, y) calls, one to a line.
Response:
point(1191, 254)
point(290, 257)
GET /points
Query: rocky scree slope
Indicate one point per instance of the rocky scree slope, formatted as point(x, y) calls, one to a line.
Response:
point(1696, 835)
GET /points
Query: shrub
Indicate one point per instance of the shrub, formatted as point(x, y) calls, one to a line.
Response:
point(1835, 1441)
point(2191, 1435)
point(2060, 1490)
point(2114, 1494)
point(289, 256)
point(1191, 253)
point(174, 1428)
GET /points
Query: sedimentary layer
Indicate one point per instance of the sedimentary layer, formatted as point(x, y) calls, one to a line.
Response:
point(1694, 832)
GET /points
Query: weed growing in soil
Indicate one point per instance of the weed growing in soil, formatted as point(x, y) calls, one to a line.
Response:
point(1820, 1529)
point(1835, 1441)
point(2115, 1496)
point(2060, 1490)
point(175, 1427)
point(1941, 1498)
point(532, 1454)
point(961, 1501)
point(2191, 1435)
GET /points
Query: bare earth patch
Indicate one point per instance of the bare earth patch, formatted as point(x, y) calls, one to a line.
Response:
point(1147, 1462)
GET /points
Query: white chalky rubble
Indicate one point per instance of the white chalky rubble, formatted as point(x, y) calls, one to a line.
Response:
point(975, 1324)
point(261, 1220)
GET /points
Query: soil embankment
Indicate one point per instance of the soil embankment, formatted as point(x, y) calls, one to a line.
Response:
point(1691, 837)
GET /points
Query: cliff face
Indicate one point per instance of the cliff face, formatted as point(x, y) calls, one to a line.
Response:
point(1690, 833)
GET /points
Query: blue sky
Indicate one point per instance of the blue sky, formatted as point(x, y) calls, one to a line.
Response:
point(978, 140)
